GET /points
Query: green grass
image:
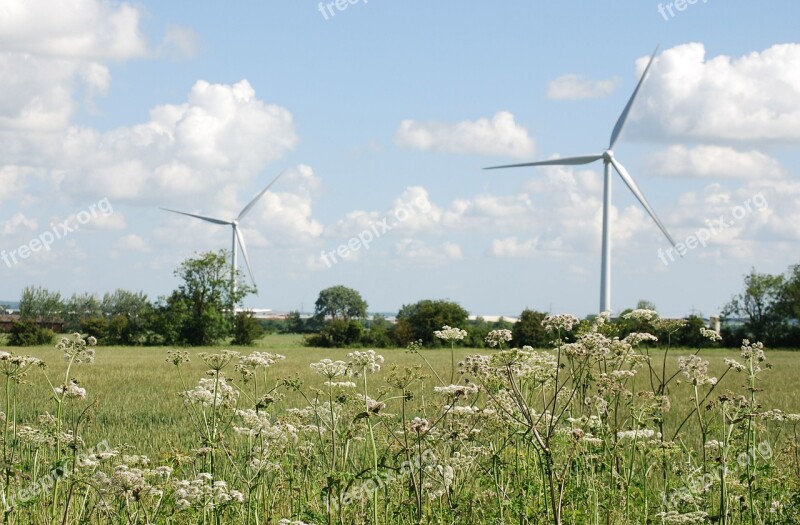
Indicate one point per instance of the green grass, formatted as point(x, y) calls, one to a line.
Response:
point(137, 402)
point(501, 470)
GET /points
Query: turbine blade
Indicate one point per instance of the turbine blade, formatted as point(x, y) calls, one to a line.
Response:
point(252, 203)
point(568, 161)
point(240, 240)
point(624, 116)
point(626, 177)
point(208, 219)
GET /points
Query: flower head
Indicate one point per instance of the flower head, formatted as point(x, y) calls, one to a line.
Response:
point(450, 334)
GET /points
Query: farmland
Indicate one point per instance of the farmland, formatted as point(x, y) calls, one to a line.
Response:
point(615, 434)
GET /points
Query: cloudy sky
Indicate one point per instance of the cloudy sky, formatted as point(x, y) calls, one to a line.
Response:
point(382, 115)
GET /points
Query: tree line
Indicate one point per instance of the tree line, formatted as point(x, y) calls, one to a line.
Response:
point(199, 313)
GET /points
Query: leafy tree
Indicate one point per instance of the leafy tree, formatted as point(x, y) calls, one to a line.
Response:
point(39, 304)
point(96, 327)
point(378, 334)
point(294, 323)
point(528, 331)
point(246, 329)
point(426, 316)
point(340, 302)
point(646, 305)
point(128, 316)
point(198, 312)
point(759, 303)
point(78, 308)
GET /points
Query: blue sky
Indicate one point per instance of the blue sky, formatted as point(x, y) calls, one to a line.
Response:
point(385, 113)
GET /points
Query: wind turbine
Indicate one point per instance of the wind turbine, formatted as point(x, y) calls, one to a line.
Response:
point(237, 234)
point(607, 156)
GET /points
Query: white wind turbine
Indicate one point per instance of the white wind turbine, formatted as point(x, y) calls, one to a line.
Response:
point(237, 234)
point(609, 160)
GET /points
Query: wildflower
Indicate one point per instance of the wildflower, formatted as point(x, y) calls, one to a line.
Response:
point(711, 335)
point(732, 363)
point(361, 362)
point(643, 433)
point(456, 391)
point(16, 367)
point(498, 337)
point(559, 322)
point(76, 349)
point(340, 384)
point(642, 314)
point(450, 334)
point(70, 390)
point(330, 369)
point(754, 351)
point(177, 357)
point(212, 391)
point(695, 369)
point(419, 425)
point(219, 361)
point(674, 516)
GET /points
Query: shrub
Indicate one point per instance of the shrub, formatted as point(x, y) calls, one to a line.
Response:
point(28, 333)
point(246, 329)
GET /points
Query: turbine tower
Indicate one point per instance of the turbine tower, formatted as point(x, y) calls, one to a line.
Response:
point(607, 156)
point(236, 235)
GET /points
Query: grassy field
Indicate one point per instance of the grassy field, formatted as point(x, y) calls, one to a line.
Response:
point(136, 390)
point(502, 446)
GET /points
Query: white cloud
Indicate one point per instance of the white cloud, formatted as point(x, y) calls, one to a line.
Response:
point(425, 254)
point(179, 43)
point(750, 98)
point(132, 243)
point(576, 87)
point(499, 135)
point(222, 136)
point(714, 161)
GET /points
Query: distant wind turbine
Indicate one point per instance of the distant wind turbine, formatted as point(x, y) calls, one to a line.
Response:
point(237, 234)
point(609, 160)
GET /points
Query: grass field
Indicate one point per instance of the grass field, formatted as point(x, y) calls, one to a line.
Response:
point(316, 442)
point(136, 390)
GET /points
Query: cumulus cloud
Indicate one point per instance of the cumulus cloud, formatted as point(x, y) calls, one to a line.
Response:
point(749, 98)
point(49, 49)
point(223, 134)
point(577, 87)
point(500, 135)
point(714, 161)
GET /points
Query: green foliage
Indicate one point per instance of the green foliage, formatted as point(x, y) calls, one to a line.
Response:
point(378, 334)
point(80, 308)
point(418, 321)
point(294, 323)
point(760, 304)
point(340, 302)
point(28, 333)
point(338, 333)
point(40, 304)
point(246, 329)
point(528, 331)
point(96, 327)
point(198, 313)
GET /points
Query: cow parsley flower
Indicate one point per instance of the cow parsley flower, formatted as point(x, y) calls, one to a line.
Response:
point(361, 362)
point(498, 337)
point(450, 334)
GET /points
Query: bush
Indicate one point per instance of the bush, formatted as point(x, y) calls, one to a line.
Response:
point(246, 329)
point(97, 327)
point(28, 333)
point(337, 334)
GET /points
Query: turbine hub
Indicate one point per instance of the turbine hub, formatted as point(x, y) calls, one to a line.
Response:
point(608, 155)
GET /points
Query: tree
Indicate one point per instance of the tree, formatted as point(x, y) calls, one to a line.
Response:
point(425, 316)
point(528, 331)
point(128, 316)
point(294, 323)
point(759, 303)
point(78, 309)
point(39, 304)
point(246, 329)
point(340, 302)
point(28, 333)
point(198, 312)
